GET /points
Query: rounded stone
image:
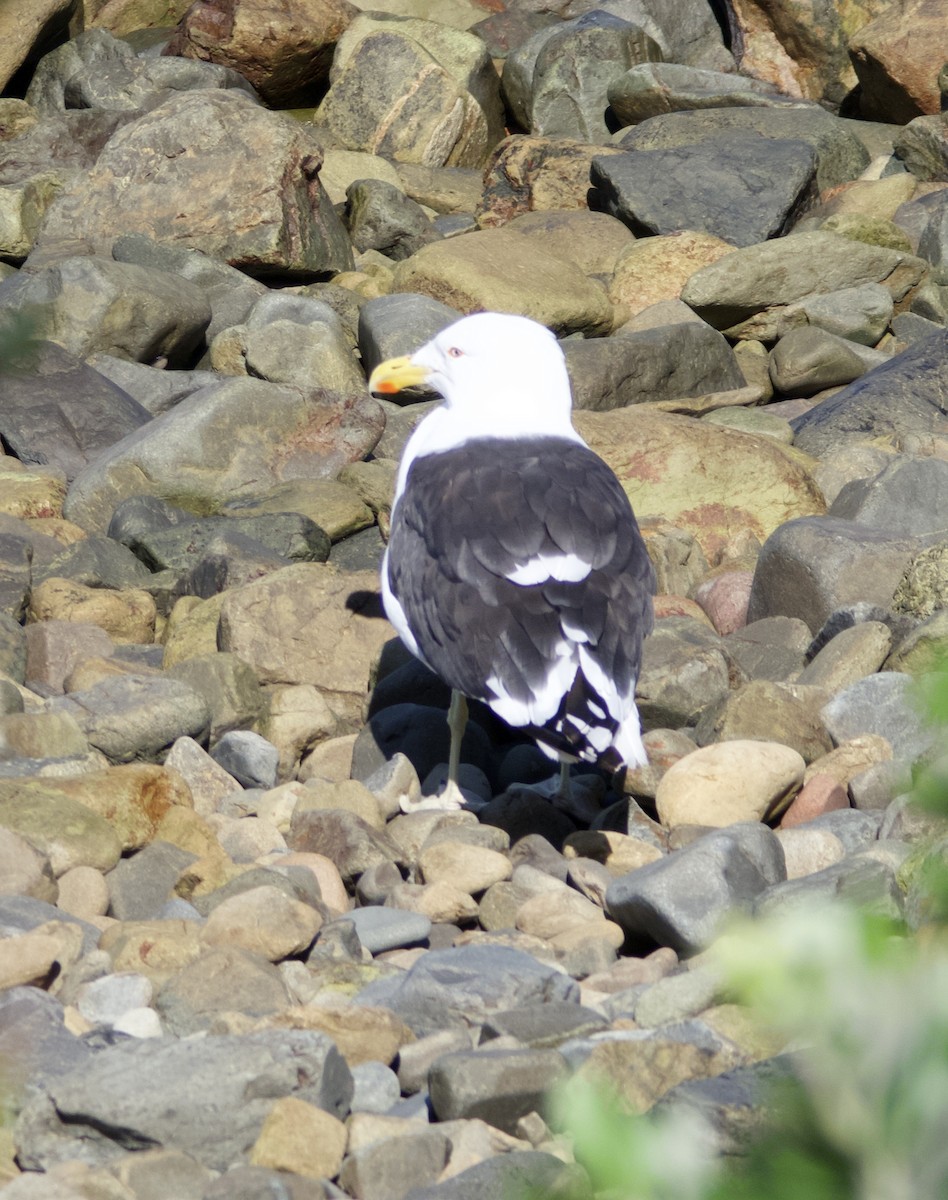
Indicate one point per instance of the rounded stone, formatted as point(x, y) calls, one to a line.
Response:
point(300, 1138)
point(469, 868)
point(728, 782)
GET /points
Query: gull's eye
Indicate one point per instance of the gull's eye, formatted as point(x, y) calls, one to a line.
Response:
point(455, 352)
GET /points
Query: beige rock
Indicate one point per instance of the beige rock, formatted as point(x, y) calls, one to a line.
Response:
point(30, 957)
point(595, 241)
point(809, 850)
point(850, 655)
point(24, 871)
point(629, 972)
point(715, 483)
point(296, 719)
point(342, 167)
point(57, 825)
point(83, 893)
point(247, 839)
point(192, 629)
point(134, 798)
point(639, 1071)
point(351, 795)
point(771, 712)
point(125, 16)
point(90, 671)
point(441, 902)
point(206, 779)
point(548, 914)
point(126, 616)
point(361, 1033)
point(331, 888)
point(265, 921)
point(156, 949)
point(55, 648)
point(41, 735)
point(300, 1138)
point(619, 852)
point(469, 868)
point(584, 933)
point(728, 782)
point(30, 493)
point(331, 759)
point(851, 758)
point(496, 269)
point(28, 28)
point(334, 506)
point(294, 626)
point(657, 268)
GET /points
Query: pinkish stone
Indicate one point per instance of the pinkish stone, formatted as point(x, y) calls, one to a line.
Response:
point(54, 648)
point(820, 794)
point(724, 598)
point(679, 606)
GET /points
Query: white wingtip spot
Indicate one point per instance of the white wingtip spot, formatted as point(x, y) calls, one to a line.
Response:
point(564, 568)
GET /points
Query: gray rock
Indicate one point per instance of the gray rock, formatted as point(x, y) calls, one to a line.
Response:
point(859, 314)
point(875, 788)
point(497, 1086)
point(136, 716)
point(142, 883)
point(230, 688)
point(290, 536)
point(770, 648)
point(92, 304)
point(840, 154)
point(685, 670)
point(16, 556)
point(395, 1167)
point(230, 293)
point(856, 830)
point(61, 413)
point(516, 1173)
point(97, 562)
point(260, 167)
point(737, 186)
point(224, 442)
point(884, 704)
point(18, 914)
point(459, 988)
point(260, 1183)
point(59, 147)
point(908, 496)
point(97, 71)
point(388, 928)
point(376, 1087)
point(909, 328)
point(922, 146)
point(681, 900)
point(399, 324)
point(572, 69)
point(665, 363)
point(747, 290)
point(902, 398)
point(651, 89)
point(221, 980)
point(35, 1044)
point(12, 647)
point(154, 389)
point(250, 758)
point(350, 842)
point(678, 996)
point(811, 566)
point(381, 217)
point(129, 1096)
point(865, 882)
point(809, 360)
point(543, 1026)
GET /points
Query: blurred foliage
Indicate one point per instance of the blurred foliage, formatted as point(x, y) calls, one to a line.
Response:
point(862, 1005)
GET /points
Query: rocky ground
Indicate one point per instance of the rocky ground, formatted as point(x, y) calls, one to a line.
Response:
point(240, 956)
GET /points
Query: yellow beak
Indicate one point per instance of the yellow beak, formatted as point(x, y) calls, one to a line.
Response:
point(396, 374)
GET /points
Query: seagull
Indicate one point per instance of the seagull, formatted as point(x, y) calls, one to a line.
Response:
point(515, 569)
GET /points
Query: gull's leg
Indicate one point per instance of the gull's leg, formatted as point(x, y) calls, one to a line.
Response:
point(564, 791)
point(457, 723)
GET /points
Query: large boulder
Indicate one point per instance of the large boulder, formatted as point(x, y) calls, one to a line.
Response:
point(211, 171)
